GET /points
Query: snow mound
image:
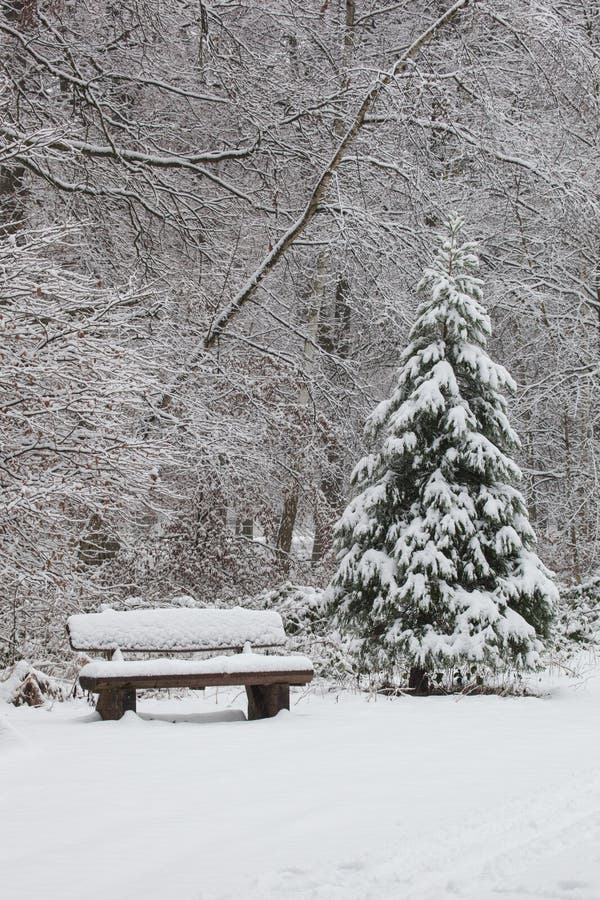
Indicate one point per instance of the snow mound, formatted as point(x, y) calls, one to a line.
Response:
point(23, 684)
point(9, 736)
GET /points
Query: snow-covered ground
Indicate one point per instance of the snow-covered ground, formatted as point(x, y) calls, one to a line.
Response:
point(343, 798)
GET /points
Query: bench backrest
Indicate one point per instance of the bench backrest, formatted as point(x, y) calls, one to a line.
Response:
point(175, 630)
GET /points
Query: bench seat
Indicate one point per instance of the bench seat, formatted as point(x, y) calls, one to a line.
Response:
point(241, 669)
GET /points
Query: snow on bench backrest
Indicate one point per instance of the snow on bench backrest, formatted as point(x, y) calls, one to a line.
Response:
point(175, 629)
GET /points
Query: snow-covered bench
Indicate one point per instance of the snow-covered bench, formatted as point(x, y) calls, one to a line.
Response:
point(267, 678)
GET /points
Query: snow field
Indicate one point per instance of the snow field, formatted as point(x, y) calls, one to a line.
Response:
point(343, 798)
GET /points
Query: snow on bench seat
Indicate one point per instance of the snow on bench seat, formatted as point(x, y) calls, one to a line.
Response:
point(175, 630)
point(217, 665)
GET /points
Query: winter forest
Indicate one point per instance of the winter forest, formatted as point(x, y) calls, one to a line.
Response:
point(300, 338)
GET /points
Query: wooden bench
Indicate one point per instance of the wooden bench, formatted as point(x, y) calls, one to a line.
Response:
point(267, 678)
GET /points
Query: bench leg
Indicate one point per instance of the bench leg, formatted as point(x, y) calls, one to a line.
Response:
point(114, 704)
point(266, 700)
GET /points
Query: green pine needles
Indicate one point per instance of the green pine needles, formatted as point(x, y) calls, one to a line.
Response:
point(436, 559)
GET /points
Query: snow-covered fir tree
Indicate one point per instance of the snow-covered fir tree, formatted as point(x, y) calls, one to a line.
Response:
point(436, 559)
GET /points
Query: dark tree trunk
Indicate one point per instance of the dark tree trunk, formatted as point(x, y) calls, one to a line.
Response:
point(286, 527)
point(321, 540)
point(334, 337)
point(327, 507)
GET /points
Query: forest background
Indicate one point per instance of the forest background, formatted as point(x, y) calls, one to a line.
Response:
point(184, 369)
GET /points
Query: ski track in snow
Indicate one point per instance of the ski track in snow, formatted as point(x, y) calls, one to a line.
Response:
point(344, 798)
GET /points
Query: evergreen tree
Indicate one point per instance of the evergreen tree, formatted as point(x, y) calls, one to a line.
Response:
point(436, 559)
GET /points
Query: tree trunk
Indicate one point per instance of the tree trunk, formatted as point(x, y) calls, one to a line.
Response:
point(570, 488)
point(333, 338)
point(327, 505)
point(312, 317)
point(286, 526)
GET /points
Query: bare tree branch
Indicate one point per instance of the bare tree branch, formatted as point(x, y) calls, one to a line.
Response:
point(287, 240)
